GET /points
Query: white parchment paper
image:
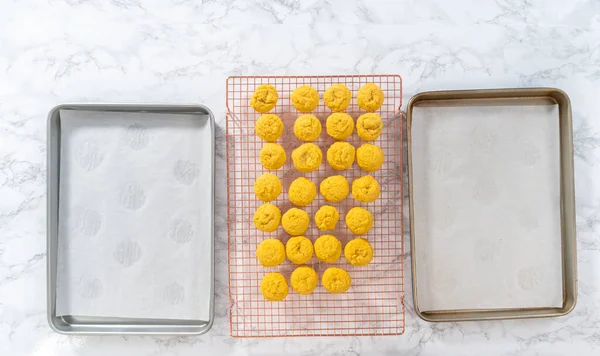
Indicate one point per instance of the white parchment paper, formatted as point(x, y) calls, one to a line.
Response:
point(487, 206)
point(135, 215)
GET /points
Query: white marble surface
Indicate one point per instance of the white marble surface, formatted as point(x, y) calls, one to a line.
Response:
point(53, 51)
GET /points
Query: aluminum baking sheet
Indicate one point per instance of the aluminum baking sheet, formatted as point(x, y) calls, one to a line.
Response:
point(134, 218)
point(487, 182)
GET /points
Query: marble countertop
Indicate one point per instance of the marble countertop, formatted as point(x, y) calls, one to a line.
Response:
point(181, 51)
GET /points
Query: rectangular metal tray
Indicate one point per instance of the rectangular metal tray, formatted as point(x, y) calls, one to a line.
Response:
point(113, 325)
point(565, 209)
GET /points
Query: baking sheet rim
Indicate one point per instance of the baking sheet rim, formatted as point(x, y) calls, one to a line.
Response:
point(118, 326)
point(567, 192)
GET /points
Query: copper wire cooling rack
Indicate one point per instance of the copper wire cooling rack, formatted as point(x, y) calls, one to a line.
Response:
point(374, 303)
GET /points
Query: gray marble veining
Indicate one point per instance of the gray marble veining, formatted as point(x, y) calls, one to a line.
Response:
point(181, 51)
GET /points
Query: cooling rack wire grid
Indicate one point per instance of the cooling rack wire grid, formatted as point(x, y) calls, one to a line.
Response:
point(374, 303)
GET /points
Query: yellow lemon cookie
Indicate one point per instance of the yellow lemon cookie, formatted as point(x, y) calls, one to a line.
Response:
point(336, 280)
point(369, 157)
point(358, 252)
point(307, 127)
point(369, 126)
point(339, 125)
point(299, 250)
point(340, 155)
point(295, 221)
point(337, 97)
point(302, 191)
point(304, 280)
point(307, 157)
point(269, 127)
point(272, 156)
point(334, 189)
point(327, 217)
point(365, 189)
point(359, 220)
point(305, 98)
point(270, 253)
point(264, 98)
point(267, 217)
point(267, 187)
point(328, 248)
point(274, 287)
point(370, 97)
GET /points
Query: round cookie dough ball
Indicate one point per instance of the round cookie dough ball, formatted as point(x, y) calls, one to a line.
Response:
point(305, 98)
point(327, 217)
point(270, 253)
point(370, 97)
point(340, 155)
point(274, 287)
point(304, 280)
point(358, 252)
point(307, 157)
point(336, 280)
point(365, 189)
point(328, 248)
point(264, 98)
point(369, 126)
point(295, 221)
point(369, 157)
point(267, 187)
point(299, 250)
point(337, 97)
point(269, 127)
point(302, 191)
point(307, 127)
point(359, 220)
point(272, 156)
point(335, 188)
point(267, 217)
point(339, 125)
